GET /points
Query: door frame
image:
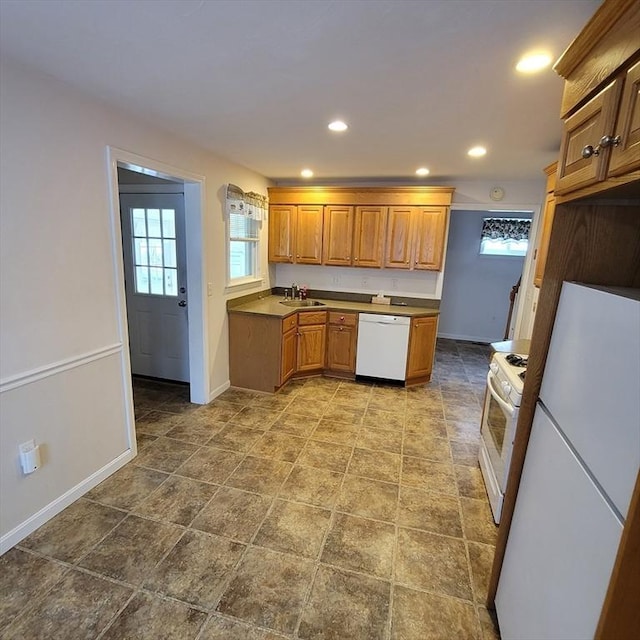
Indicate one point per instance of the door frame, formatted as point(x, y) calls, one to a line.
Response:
point(194, 204)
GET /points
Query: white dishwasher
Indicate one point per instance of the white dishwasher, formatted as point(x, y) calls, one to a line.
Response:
point(382, 346)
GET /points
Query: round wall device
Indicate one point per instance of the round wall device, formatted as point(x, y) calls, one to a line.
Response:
point(497, 193)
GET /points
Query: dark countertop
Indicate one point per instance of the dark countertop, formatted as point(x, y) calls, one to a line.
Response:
point(270, 306)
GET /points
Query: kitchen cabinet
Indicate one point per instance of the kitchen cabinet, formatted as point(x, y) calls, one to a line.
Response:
point(601, 133)
point(288, 351)
point(338, 226)
point(342, 336)
point(422, 345)
point(295, 234)
point(337, 246)
point(415, 237)
point(312, 334)
point(546, 223)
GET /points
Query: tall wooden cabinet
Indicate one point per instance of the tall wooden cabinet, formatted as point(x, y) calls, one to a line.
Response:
point(595, 239)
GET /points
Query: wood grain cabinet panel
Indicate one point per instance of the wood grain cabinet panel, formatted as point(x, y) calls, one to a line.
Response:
point(369, 236)
point(311, 347)
point(400, 231)
point(342, 337)
point(582, 132)
point(288, 354)
point(337, 245)
point(422, 345)
point(282, 233)
point(309, 234)
point(546, 223)
point(430, 230)
point(625, 156)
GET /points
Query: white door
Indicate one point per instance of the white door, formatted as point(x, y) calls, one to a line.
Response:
point(153, 241)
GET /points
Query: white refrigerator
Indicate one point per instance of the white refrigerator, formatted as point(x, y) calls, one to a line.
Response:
point(580, 468)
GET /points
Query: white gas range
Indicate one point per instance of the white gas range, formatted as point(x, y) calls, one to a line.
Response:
point(505, 383)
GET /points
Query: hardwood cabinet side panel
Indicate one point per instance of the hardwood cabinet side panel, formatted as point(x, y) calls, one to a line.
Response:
point(625, 157)
point(595, 244)
point(254, 352)
point(400, 229)
point(288, 354)
point(422, 345)
point(430, 229)
point(309, 234)
point(337, 245)
point(369, 236)
point(543, 242)
point(282, 227)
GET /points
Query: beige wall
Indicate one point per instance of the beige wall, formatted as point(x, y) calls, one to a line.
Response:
point(63, 366)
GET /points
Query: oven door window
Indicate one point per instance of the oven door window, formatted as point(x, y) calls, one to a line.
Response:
point(499, 416)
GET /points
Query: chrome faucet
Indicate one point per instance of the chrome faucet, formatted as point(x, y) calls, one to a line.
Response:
point(294, 291)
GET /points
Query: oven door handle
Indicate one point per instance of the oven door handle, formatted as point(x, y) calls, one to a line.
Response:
point(505, 405)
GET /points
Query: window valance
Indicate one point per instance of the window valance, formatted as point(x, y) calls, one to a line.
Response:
point(249, 204)
point(506, 228)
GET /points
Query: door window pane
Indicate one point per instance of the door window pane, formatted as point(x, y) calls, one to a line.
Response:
point(155, 252)
point(168, 223)
point(169, 253)
point(141, 256)
point(171, 282)
point(142, 280)
point(139, 225)
point(156, 279)
point(154, 229)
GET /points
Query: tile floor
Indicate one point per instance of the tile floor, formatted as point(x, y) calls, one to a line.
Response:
point(332, 510)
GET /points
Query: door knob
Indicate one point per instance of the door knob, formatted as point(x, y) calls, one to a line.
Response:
point(182, 303)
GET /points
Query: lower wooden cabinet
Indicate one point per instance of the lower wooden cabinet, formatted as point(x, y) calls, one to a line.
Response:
point(288, 354)
point(342, 337)
point(311, 347)
point(422, 345)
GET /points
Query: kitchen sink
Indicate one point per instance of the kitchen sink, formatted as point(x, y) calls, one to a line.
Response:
point(303, 303)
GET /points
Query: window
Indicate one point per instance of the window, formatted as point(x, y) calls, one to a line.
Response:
point(505, 236)
point(154, 251)
point(243, 247)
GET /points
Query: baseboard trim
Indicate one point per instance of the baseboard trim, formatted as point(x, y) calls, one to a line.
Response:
point(20, 532)
point(452, 336)
point(218, 390)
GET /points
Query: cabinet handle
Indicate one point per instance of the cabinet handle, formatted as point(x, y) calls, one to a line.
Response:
point(341, 318)
point(356, 259)
point(341, 328)
point(605, 141)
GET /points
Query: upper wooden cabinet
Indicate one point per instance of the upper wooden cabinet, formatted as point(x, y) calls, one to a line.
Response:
point(544, 230)
point(416, 237)
point(600, 145)
point(401, 228)
point(295, 234)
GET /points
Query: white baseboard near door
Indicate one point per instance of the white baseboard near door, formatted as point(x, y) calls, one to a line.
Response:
point(45, 514)
point(218, 390)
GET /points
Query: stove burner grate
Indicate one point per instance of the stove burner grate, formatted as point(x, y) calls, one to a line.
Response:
point(516, 360)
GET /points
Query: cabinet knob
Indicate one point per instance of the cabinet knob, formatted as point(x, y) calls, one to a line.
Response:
point(342, 318)
point(341, 328)
point(589, 151)
point(609, 141)
point(356, 259)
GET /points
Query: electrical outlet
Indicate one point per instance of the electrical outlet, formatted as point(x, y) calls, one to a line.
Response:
point(365, 282)
point(335, 279)
point(394, 284)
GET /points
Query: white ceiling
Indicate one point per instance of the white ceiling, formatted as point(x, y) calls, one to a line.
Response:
point(257, 81)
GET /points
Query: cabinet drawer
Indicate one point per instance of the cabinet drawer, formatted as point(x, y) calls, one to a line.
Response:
point(348, 319)
point(289, 322)
point(313, 317)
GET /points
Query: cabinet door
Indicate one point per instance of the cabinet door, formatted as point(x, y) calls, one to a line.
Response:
point(309, 234)
point(368, 236)
point(338, 235)
point(582, 130)
point(341, 347)
point(311, 347)
point(545, 235)
point(288, 355)
point(400, 225)
point(430, 229)
point(625, 157)
point(282, 226)
point(422, 344)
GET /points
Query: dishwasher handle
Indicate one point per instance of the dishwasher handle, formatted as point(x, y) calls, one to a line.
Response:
point(378, 318)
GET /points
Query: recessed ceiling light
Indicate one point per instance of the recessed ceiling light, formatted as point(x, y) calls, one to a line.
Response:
point(338, 125)
point(532, 62)
point(477, 152)
point(306, 173)
point(422, 171)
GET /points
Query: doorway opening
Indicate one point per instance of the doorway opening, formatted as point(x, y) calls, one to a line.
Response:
point(159, 272)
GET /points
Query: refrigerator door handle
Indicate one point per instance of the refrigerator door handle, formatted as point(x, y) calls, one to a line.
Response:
point(505, 405)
